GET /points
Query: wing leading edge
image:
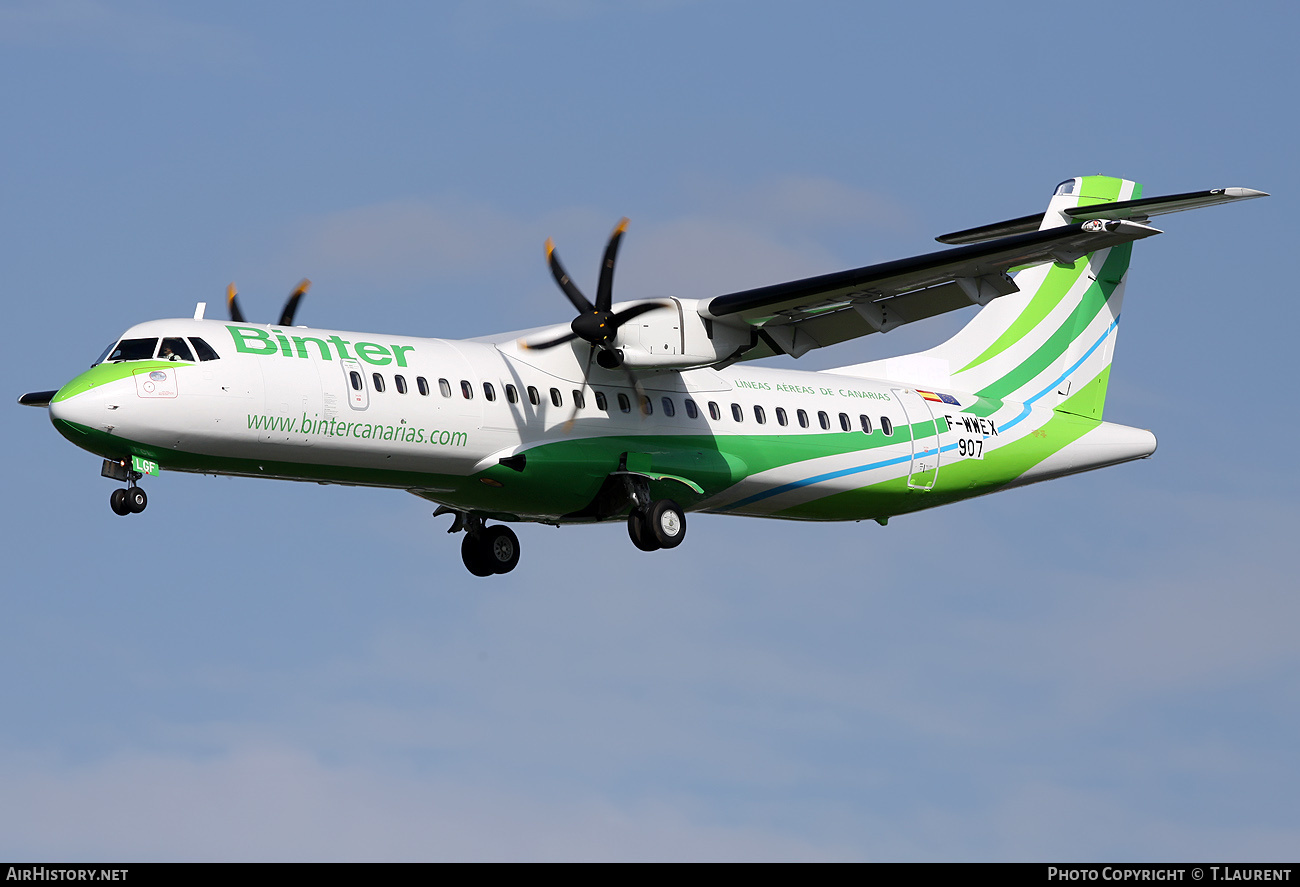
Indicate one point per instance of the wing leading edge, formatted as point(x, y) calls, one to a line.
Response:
point(795, 317)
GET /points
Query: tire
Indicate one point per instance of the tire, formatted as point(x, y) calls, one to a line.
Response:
point(667, 523)
point(500, 548)
point(474, 554)
point(642, 538)
point(117, 502)
point(136, 500)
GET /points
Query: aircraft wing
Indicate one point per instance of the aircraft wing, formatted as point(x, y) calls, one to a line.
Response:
point(793, 318)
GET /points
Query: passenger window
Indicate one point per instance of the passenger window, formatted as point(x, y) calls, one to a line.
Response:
point(379, 382)
point(803, 419)
point(623, 403)
point(714, 412)
point(533, 397)
point(669, 409)
point(759, 416)
point(692, 410)
point(781, 418)
point(423, 384)
point(601, 403)
point(647, 407)
point(399, 382)
point(579, 402)
point(737, 413)
point(133, 349)
point(555, 397)
point(866, 423)
point(466, 390)
point(174, 348)
point(203, 349)
point(445, 387)
point(512, 393)
point(356, 380)
point(489, 391)
point(886, 426)
point(824, 420)
point(845, 423)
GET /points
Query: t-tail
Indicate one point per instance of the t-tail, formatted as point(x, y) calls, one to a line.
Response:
point(1051, 343)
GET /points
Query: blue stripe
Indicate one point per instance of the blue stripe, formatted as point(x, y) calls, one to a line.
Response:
point(857, 469)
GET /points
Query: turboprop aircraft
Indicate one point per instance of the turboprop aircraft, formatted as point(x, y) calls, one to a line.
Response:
point(644, 411)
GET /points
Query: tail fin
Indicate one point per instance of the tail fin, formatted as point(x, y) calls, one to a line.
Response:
point(1051, 342)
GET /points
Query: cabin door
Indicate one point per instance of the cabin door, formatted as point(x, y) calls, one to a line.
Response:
point(923, 429)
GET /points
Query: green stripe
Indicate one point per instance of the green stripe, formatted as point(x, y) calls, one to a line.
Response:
point(102, 374)
point(1093, 301)
point(1053, 288)
point(957, 480)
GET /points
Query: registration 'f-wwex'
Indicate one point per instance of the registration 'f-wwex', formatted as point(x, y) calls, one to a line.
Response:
point(645, 411)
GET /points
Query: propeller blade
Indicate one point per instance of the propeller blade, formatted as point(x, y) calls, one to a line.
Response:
point(627, 314)
point(642, 400)
point(233, 304)
point(291, 306)
point(586, 383)
point(562, 278)
point(548, 343)
point(605, 289)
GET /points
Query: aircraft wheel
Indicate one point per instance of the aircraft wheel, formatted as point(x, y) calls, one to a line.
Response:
point(136, 500)
point(667, 523)
point(117, 502)
point(475, 555)
point(501, 547)
point(642, 538)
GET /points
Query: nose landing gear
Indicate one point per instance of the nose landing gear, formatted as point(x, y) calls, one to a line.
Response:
point(131, 500)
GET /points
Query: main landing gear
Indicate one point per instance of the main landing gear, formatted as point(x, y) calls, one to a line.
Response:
point(485, 550)
point(491, 550)
point(660, 524)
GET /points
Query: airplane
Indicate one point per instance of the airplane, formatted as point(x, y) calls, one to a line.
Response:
point(646, 411)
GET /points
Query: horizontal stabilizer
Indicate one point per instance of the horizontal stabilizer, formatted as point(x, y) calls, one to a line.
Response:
point(1156, 206)
point(1135, 210)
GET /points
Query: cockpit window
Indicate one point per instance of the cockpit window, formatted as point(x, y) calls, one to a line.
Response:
point(174, 348)
point(104, 354)
point(1065, 188)
point(133, 349)
point(204, 350)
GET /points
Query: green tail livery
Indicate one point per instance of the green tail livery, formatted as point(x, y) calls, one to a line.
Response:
point(606, 419)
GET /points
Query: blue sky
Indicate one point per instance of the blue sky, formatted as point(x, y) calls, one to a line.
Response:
point(1102, 667)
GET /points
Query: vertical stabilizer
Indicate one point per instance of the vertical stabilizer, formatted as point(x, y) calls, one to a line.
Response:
point(1051, 342)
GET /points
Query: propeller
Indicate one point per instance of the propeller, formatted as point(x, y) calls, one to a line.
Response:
point(596, 324)
point(290, 305)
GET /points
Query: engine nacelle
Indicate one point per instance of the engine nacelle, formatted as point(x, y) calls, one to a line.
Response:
point(676, 336)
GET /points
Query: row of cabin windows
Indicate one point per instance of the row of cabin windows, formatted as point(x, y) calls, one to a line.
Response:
point(625, 403)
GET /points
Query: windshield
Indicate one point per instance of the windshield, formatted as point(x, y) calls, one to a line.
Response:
point(103, 354)
point(134, 349)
